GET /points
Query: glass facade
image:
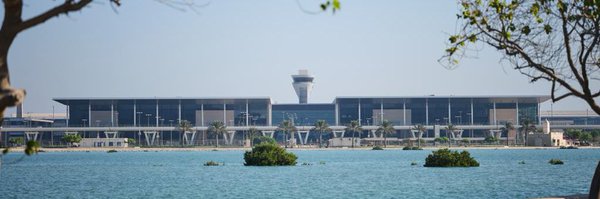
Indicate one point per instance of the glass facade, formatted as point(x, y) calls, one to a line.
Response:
point(401, 111)
point(166, 112)
point(304, 114)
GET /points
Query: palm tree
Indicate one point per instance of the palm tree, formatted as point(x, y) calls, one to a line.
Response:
point(450, 130)
point(420, 129)
point(320, 127)
point(526, 127)
point(507, 127)
point(252, 133)
point(183, 126)
point(287, 127)
point(217, 128)
point(354, 127)
point(385, 128)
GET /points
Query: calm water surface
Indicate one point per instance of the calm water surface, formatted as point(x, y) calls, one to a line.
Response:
point(345, 174)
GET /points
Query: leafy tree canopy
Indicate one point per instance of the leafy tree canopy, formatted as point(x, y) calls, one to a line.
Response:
point(550, 40)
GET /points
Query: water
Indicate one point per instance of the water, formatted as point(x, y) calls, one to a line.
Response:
point(345, 174)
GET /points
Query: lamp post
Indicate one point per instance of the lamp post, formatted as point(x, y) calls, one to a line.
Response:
point(148, 119)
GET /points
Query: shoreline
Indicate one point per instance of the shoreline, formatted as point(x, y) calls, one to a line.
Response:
point(162, 149)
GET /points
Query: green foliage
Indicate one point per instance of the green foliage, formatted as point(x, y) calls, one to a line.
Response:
point(130, 141)
point(5, 150)
point(412, 148)
point(32, 147)
point(555, 161)
point(466, 140)
point(213, 163)
point(490, 139)
point(519, 29)
point(16, 141)
point(72, 138)
point(441, 139)
point(269, 155)
point(111, 151)
point(573, 133)
point(377, 148)
point(585, 136)
point(263, 139)
point(447, 158)
point(335, 5)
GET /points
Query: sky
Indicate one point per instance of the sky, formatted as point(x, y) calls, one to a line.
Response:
point(249, 48)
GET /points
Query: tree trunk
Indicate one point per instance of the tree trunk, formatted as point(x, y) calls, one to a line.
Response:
point(384, 140)
point(8, 96)
point(217, 139)
point(320, 139)
point(595, 185)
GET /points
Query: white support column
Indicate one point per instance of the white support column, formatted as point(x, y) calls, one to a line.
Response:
point(337, 113)
point(426, 111)
point(380, 111)
point(247, 114)
point(359, 121)
point(517, 116)
point(157, 113)
point(68, 116)
point(202, 114)
point(539, 112)
point(111, 134)
point(303, 139)
point(135, 113)
point(472, 112)
point(449, 112)
point(179, 112)
point(224, 114)
point(112, 114)
point(270, 114)
point(404, 112)
point(89, 113)
point(150, 137)
point(495, 120)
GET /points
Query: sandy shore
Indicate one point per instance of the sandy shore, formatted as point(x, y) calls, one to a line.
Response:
point(144, 149)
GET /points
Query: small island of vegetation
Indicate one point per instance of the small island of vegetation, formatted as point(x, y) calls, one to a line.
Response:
point(268, 154)
point(447, 158)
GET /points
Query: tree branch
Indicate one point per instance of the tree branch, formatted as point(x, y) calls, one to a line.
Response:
point(65, 8)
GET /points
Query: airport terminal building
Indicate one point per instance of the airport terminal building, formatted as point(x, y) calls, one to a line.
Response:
point(477, 115)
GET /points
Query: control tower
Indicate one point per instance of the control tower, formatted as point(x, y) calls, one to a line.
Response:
point(303, 84)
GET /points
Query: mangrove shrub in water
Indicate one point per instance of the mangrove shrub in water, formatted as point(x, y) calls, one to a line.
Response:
point(447, 158)
point(267, 154)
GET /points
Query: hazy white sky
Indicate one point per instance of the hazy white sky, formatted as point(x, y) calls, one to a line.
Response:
point(235, 48)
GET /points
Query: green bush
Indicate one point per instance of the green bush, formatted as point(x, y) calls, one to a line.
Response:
point(213, 163)
point(263, 139)
point(267, 154)
point(490, 139)
point(377, 148)
point(71, 139)
point(412, 148)
point(555, 161)
point(111, 151)
point(447, 158)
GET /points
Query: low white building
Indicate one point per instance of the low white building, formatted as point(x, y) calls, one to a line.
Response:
point(343, 142)
point(546, 138)
point(104, 142)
